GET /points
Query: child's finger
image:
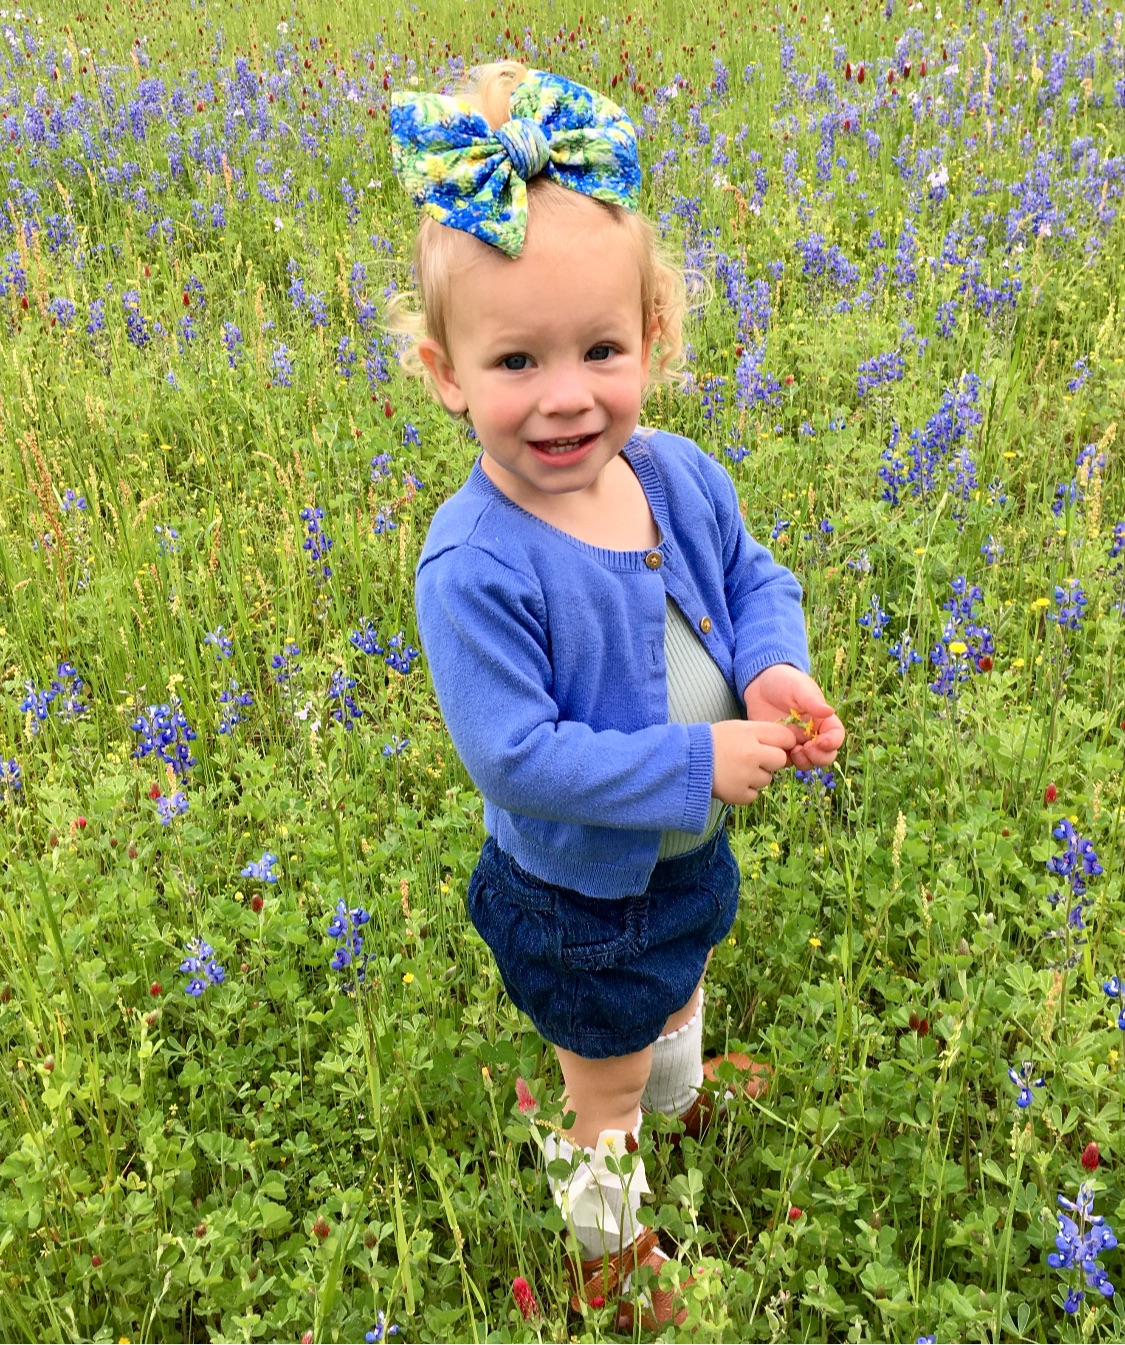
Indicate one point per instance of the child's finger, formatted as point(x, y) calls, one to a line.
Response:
point(775, 735)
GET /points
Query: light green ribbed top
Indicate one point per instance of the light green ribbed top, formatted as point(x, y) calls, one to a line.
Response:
point(697, 694)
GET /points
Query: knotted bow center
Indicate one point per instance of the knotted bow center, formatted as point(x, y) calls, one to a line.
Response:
point(525, 145)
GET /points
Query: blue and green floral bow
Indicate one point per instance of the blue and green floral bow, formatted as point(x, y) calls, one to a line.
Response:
point(470, 177)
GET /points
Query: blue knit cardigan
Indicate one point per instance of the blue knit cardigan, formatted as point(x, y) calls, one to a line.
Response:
point(547, 655)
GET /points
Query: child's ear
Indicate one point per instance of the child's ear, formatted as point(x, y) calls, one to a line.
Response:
point(651, 338)
point(440, 369)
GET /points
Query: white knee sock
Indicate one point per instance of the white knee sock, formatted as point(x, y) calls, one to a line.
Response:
point(600, 1206)
point(677, 1067)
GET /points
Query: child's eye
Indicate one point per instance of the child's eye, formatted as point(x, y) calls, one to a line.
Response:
point(515, 362)
point(599, 352)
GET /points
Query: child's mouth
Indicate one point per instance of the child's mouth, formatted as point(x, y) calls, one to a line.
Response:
point(558, 448)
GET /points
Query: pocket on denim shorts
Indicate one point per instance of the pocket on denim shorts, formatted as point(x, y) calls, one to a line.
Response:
point(602, 934)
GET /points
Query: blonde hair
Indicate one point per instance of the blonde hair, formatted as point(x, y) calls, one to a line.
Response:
point(440, 251)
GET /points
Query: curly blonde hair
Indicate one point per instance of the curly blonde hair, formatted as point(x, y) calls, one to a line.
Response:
point(440, 251)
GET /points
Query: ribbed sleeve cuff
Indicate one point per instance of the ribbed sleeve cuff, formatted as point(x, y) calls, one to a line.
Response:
point(701, 770)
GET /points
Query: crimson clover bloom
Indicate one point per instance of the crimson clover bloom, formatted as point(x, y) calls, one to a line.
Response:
point(1024, 1083)
point(201, 966)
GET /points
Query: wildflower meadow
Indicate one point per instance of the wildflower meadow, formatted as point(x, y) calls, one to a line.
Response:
point(260, 1080)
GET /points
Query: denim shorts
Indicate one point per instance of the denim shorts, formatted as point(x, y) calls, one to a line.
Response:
point(601, 976)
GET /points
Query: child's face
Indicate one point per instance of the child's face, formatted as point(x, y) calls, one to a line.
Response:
point(547, 355)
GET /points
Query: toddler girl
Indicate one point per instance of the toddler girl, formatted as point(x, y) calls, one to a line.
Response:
point(617, 661)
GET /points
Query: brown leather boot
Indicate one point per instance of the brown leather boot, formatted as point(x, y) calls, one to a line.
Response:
point(755, 1081)
point(600, 1279)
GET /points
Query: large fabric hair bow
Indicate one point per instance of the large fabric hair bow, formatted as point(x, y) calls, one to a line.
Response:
point(470, 177)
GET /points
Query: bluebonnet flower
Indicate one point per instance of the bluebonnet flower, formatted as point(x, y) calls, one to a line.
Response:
point(232, 700)
point(138, 328)
point(904, 653)
point(411, 436)
point(64, 693)
point(367, 639)
point(991, 550)
point(282, 365)
point(1081, 374)
point(232, 343)
point(380, 466)
point(384, 522)
point(1088, 462)
point(345, 711)
point(72, 500)
point(396, 746)
point(1117, 544)
point(317, 543)
point(965, 646)
point(201, 966)
point(11, 782)
point(946, 317)
point(167, 539)
point(224, 645)
point(283, 665)
point(780, 525)
point(164, 729)
point(62, 311)
point(1079, 1245)
point(1077, 863)
point(880, 370)
point(380, 1330)
point(827, 527)
point(261, 869)
point(874, 620)
point(345, 926)
point(1115, 992)
point(1024, 1083)
point(893, 475)
point(167, 809)
point(346, 357)
point(401, 656)
point(932, 446)
point(1071, 602)
point(817, 781)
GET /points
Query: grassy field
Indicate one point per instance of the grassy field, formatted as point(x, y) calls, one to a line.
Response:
point(220, 1117)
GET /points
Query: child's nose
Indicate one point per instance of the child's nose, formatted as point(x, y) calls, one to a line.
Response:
point(567, 392)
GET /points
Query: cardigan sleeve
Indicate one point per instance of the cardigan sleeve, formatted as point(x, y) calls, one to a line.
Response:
point(484, 632)
point(763, 597)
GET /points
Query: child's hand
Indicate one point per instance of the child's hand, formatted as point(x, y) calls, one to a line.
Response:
point(748, 753)
point(785, 693)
